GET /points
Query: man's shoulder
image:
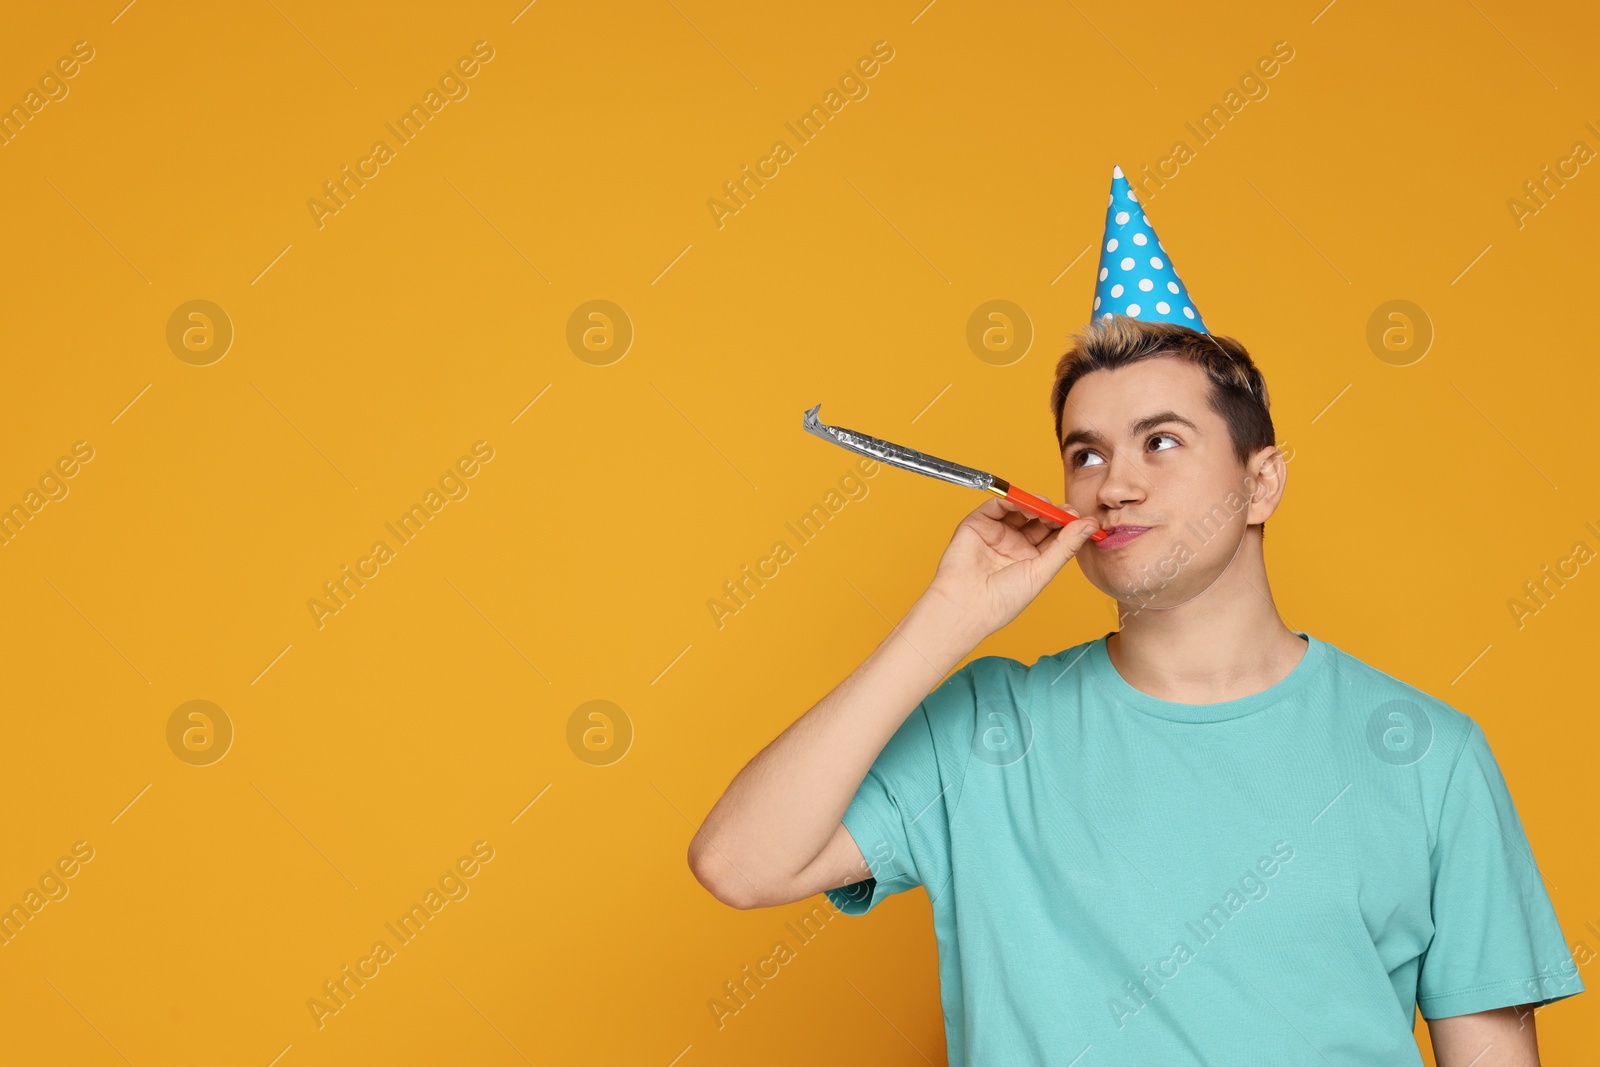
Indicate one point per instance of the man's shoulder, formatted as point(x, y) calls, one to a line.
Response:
point(997, 675)
point(1395, 706)
point(987, 685)
point(985, 677)
point(1053, 665)
point(972, 695)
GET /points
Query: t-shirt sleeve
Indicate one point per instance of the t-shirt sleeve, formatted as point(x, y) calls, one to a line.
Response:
point(900, 815)
point(1496, 941)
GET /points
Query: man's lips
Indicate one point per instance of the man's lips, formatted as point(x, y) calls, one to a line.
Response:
point(1117, 536)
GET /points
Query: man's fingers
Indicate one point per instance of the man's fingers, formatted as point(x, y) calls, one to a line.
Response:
point(1054, 524)
point(1066, 541)
point(995, 507)
point(1035, 532)
point(1034, 527)
point(1015, 516)
point(1040, 528)
point(1004, 511)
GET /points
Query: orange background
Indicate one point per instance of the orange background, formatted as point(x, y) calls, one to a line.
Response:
point(370, 354)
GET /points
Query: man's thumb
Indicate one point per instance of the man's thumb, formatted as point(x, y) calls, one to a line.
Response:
point(1066, 542)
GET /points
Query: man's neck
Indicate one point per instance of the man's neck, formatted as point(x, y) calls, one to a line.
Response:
point(1228, 642)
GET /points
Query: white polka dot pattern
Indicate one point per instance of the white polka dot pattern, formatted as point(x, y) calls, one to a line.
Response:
point(1128, 228)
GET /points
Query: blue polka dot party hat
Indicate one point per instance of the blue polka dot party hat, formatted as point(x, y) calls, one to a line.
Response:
point(1136, 275)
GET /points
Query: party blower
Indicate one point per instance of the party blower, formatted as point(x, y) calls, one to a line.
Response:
point(910, 459)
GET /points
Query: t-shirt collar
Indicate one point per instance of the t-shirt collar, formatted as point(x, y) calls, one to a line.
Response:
point(1299, 680)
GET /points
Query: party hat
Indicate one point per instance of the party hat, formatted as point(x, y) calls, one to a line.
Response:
point(1136, 275)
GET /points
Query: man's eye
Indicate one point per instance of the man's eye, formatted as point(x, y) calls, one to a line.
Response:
point(1080, 458)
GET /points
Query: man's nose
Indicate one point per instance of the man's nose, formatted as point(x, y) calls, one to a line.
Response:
point(1123, 483)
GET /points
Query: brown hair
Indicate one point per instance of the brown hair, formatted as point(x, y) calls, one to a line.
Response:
point(1238, 392)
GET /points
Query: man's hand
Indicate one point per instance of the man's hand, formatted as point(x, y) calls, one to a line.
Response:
point(999, 559)
point(1503, 1037)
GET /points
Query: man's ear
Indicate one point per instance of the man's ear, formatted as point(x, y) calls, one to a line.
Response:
point(1266, 475)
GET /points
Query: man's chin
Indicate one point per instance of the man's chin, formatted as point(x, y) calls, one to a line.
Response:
point(1145, 571)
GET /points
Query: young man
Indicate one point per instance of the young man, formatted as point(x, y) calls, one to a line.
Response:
point(1202, 838)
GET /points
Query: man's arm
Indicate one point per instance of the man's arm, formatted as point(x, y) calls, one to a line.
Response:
point(1503, 1037)
point(776, 835)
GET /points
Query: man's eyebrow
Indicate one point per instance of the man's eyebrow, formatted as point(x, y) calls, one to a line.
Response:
point(1136, 427)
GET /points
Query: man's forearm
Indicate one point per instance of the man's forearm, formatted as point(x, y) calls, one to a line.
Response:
point(783, 807)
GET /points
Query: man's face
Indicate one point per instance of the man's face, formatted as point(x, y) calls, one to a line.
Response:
point(1144, 449)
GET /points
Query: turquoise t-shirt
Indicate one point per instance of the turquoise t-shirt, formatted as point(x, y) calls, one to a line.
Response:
point(1278, 879)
